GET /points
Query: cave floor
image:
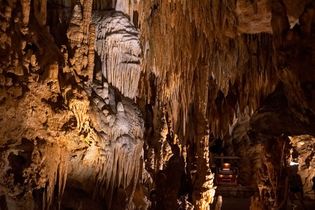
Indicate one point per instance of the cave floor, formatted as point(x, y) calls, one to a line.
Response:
point(235, 197)
point(238, 198)
point(230, 203)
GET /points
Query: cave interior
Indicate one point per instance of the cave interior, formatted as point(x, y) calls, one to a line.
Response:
point(157, 104)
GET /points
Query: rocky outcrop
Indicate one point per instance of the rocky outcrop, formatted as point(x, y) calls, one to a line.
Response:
point(64, 129)
point(303, 148)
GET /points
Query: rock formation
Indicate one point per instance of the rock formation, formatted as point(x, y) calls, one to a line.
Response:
point(116, 104)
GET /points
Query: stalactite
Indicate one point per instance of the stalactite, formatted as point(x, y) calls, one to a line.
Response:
point(79, 109)
point(118, 165)
point(231, 62)
point(116, 150)
point(56, 180)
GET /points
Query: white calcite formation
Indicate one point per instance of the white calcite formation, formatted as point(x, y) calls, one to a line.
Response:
point(114, 152)
point(118, 45)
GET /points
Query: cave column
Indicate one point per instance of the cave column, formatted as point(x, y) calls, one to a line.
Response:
point(81, 36)
point(204, 190)
point(40, 11)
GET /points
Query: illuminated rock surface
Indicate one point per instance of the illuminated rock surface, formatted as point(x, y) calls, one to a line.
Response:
point(124, 104)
